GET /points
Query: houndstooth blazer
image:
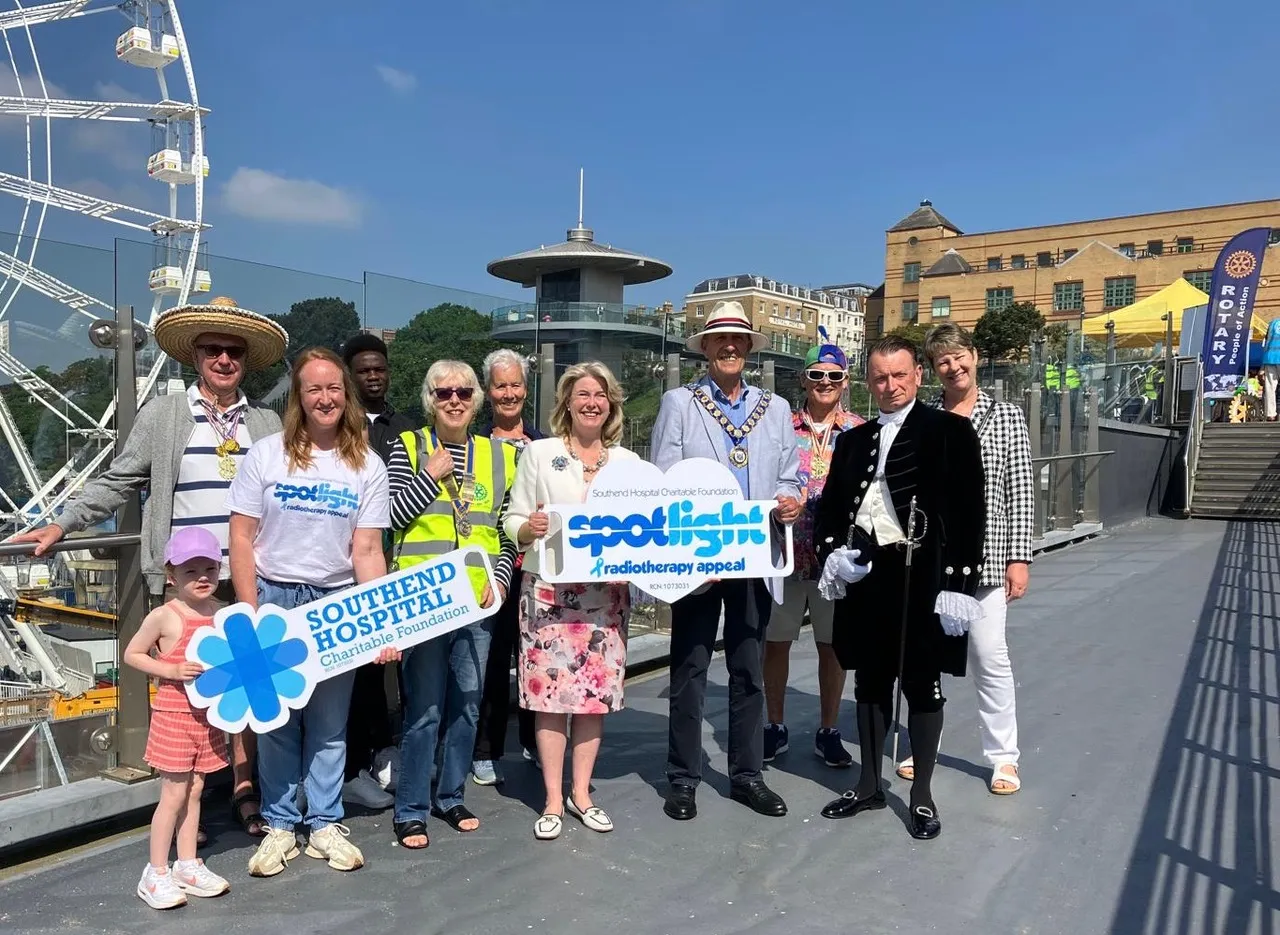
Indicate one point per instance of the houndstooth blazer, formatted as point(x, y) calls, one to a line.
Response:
point(1010, 485)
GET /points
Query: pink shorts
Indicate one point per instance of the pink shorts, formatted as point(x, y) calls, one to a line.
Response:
point(185, 742)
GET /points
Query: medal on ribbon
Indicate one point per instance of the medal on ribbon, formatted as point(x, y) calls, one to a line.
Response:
point(225, 426)
point(738, 453)
point(462, 491)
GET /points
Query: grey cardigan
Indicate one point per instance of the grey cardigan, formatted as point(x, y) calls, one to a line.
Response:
point(152, 456)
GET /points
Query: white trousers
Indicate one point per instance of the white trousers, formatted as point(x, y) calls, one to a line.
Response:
point(993, 677)
point(1270, 376)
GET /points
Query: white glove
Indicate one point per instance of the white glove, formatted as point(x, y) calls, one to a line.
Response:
point(957, 612)
point(841, 568)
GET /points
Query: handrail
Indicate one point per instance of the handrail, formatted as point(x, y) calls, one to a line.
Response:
point(114, 540)
point(1072, 456)
point(1191, 451)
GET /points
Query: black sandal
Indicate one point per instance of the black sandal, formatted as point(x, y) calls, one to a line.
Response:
point(455, 816)
point(253, 818)
point(411, 829)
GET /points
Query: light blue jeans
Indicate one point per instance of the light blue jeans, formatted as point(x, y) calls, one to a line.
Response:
point(312, 745)
point(443, 681)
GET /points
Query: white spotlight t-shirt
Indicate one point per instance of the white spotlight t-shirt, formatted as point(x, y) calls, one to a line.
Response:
point(306, 519)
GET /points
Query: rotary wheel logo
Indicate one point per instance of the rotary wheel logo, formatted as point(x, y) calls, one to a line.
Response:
point(1240, 264)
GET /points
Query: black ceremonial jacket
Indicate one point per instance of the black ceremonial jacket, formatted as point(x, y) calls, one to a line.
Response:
point(935, 458)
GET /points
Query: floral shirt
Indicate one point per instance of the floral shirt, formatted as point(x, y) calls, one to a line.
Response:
point(815, 457)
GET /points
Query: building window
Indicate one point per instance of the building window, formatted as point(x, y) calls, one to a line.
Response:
point(941, 306)
point(1044, 259)
point(910, 272)
point(1155, 247)
point(910, 310)
point(1068, 296)
point(1186, 244)
point(1118, 291)
point(1202, 279)
point(1018, 261)
point(1273, 238)
point(732, 283)
point(994, 263)
point(1127, 249)
point(1069, 253)
point(912, 241)
point(697, 311)
point(999, 299)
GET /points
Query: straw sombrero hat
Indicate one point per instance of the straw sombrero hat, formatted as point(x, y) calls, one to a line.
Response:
point(177, 329)
point(728, 317)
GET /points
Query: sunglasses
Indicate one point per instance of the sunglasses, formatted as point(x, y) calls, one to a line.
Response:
point(233, 351)
point(445, 393)
point(831, 376)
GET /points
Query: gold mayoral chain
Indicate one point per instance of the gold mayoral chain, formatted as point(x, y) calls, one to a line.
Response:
point(461, 495)
point(738, 453)
point(225, 426)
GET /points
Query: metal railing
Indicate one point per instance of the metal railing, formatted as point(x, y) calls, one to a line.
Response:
point(1195, 429)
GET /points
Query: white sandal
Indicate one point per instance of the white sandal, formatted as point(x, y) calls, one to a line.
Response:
point(1011, 779)
point(548, 827)
point(594, 818)
point(907, 769)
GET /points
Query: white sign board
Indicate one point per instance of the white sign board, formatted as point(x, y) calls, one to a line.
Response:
point(666, 533)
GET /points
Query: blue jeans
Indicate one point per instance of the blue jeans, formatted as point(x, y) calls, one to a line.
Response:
point(443, 681)
point(312, 745)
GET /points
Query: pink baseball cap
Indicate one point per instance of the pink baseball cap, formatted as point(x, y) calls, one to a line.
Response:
point(192, 542)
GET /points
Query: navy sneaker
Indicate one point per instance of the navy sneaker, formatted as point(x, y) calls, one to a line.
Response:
point(828, 747)
point(775, 740)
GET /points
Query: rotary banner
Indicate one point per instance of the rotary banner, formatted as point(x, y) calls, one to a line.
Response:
point(1232, 294)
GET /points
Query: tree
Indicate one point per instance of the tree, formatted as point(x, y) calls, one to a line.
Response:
point(1007, 332)
point(445, 332)
point(913, 332)
point(320, 322)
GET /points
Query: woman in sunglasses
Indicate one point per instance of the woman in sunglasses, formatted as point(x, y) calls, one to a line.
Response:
point(449, 488)
point(817, 423)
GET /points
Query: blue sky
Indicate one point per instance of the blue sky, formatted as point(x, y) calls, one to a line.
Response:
point(423, 140)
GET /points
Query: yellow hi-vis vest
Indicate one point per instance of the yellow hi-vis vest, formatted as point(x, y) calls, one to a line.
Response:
point(1052, 380)
point(435, 532)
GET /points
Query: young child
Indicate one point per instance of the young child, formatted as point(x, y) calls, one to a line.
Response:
point(181, 744)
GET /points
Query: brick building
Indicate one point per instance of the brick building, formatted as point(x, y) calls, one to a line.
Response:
point(789, 314)
point(935, 272)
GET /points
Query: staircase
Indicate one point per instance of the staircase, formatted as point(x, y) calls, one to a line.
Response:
point(1237, 472)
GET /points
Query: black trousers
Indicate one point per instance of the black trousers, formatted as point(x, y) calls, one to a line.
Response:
point(368, 718)
point(694, 619)
point(495, 702)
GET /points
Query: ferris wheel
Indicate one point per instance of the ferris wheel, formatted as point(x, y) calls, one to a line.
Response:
point(150, 37)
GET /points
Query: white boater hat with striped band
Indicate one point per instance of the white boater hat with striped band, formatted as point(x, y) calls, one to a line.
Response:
point(728, 318)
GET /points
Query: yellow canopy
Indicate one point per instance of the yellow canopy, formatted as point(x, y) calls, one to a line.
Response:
point(1142, 323)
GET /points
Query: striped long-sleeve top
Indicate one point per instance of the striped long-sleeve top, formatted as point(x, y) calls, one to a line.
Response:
point(412, 493)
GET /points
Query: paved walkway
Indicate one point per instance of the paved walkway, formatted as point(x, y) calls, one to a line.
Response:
point(1146, 664)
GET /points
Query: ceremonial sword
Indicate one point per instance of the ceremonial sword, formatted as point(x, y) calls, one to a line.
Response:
point(913, 542)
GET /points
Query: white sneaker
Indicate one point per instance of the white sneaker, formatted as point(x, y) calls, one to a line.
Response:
point(386, 767)
point(329, 842)
point(364, 790)
point(159, 891)
point(274, 853)
point(485, 773)
point(193, 877)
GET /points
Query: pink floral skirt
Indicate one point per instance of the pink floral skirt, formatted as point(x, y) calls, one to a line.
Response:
point(573, 646)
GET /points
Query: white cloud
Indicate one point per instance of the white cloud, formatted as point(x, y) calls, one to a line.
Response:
point(402, 82)
point(110, 91)
point(265, 196)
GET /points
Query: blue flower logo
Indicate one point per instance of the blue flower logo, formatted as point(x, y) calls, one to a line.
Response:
point(251, 669)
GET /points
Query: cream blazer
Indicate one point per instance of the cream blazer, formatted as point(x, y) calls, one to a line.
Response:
point(538, 481)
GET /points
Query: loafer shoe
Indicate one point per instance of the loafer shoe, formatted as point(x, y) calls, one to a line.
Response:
point(923, 824)
point(681, 803)
point(759, 798)
point(849, 805)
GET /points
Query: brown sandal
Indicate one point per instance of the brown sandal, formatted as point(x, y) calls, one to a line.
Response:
point(253, 823)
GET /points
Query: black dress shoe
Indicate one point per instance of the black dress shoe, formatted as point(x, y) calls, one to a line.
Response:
point(759, 798)
point(849, 805)
point(923, 824)
point(680, 803)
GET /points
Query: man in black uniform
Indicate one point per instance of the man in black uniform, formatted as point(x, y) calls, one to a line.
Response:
point(911, 450)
